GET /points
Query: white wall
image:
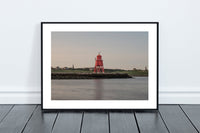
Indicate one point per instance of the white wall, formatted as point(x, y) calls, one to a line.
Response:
point(20, 41)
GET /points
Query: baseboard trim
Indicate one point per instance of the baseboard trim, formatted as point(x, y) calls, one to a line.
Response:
point(179, 97)
point(165, 97)
point(20, 97)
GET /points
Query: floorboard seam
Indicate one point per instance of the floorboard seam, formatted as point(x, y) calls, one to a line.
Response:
point(7, 113)
point(109, 122)
point(163, 121)
point(188, 118)
point(137, 124)
point(81, 122)
point(29, 119)
point(54, 121)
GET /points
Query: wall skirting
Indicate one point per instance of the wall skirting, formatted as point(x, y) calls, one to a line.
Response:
point(165, 97)
point(179, 97)
point(28, 97)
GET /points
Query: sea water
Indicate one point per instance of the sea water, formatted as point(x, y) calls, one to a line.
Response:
point(100, 89)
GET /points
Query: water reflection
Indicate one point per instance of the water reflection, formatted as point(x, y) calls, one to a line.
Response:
point(98, 89)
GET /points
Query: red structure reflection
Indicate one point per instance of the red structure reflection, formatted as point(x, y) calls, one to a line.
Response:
point(98, 64)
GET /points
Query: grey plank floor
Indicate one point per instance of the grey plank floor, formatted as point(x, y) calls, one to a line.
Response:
point(168, 119)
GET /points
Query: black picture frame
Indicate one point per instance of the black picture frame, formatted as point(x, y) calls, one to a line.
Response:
point(100, 109)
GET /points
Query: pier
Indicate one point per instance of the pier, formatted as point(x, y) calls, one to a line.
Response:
point(89, 75)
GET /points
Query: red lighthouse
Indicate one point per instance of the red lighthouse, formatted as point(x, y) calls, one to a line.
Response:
point(98, 64)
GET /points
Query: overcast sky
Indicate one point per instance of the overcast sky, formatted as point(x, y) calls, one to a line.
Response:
point(123, 50)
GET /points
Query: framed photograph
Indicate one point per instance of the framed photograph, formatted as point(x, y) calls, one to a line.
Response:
point(99, 65)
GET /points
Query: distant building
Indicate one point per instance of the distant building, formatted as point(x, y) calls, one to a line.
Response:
point(65, 68)
point(58, 68)
point(134, 69)
point(146, 69)
point(73, 66)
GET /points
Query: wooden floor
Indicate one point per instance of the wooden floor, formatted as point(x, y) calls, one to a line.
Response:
point(169, 118)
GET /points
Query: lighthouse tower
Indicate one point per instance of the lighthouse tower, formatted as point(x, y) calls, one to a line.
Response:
point(98, 64)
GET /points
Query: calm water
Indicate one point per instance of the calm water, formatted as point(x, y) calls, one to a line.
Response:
point(100, 89)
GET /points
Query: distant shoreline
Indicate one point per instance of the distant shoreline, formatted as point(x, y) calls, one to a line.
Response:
point(60, 75)
point(133, 73)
